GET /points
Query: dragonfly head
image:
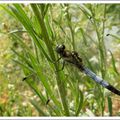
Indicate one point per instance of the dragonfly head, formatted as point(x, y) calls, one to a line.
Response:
point(60, 49)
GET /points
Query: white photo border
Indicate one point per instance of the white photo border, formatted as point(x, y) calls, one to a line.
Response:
point(60, 1)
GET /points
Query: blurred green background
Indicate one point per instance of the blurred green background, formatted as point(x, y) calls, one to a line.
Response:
point(29, 34)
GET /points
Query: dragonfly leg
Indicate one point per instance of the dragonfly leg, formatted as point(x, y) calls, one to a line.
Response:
point(62, 67)
point(57, 60)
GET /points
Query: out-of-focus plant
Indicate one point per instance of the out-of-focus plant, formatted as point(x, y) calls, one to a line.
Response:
point(81, 27)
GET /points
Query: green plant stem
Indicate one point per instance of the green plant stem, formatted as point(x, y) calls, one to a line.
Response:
point(70, 26)
point(50, 49)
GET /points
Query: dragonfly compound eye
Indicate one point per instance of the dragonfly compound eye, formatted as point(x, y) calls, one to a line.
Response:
point(60, 48)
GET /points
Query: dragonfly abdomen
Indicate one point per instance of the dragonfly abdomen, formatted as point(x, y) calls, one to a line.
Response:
point(114, 90)
point(101, 81)
point(95, 77)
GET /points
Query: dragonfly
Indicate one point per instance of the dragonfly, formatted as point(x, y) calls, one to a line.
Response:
point(72, 57)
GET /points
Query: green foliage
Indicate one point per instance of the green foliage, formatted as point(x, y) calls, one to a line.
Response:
point(109, 106)
point(81, 27)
